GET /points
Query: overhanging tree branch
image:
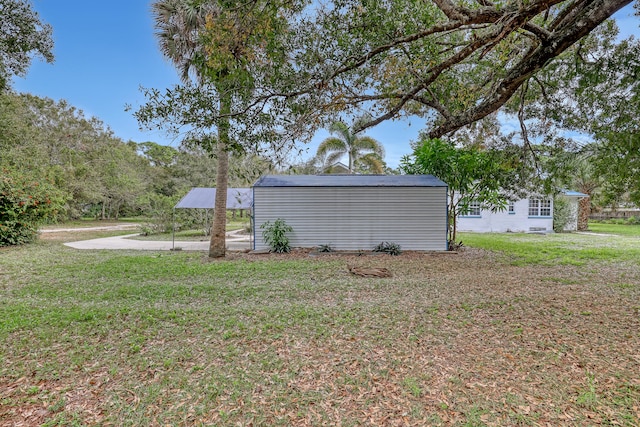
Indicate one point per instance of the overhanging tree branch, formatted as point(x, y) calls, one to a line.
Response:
point(572, 31)
point(490, 52)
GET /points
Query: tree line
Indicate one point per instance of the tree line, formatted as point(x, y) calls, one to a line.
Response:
point(90, 172)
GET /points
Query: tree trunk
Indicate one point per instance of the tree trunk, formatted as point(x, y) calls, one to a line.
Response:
point(584, 210)
point(217, 244)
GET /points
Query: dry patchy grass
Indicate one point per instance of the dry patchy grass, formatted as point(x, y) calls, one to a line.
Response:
point(453, 340)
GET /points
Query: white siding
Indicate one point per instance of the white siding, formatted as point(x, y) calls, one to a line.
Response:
point(502, 222)
point(353, 218)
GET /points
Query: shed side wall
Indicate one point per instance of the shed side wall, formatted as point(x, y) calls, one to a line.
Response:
point(353, 218)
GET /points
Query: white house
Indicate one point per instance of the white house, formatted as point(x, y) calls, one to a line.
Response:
point(534, 214)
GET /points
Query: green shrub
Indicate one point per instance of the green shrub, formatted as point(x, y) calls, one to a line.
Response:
point(159, 209)
point(24, 205)
point(562, 214)
point(275, 235)
point(325, 248)
point(388, 248)
point(152, 228)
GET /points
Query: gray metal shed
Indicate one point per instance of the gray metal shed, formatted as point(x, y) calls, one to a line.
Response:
point(353, 212)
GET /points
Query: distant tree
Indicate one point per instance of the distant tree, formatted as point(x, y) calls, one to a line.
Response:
point(161, 161)
point(123, 177)
point(22, 37)
point(360, 150)
point(586, 180)
point(157, 154)
point(311, 166)
point(617, 161)
point(246, 169)
point(474, 175)
point(53, 141)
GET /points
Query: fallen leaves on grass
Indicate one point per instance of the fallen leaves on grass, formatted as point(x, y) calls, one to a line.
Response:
point(448, 340)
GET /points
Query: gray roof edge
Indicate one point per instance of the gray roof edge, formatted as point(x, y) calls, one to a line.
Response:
point(204, 198)
point(349, 181)
point(573, 193)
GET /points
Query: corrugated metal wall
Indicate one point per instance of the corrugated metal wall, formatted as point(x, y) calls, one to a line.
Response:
point(353, 218)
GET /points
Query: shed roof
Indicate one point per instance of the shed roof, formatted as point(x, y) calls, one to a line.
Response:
point(204, 198)
point(349, 181)
point(572, 193)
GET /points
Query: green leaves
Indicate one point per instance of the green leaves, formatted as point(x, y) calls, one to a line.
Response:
point(24, 205)
point(472, 174)
point(451, 62)
point(275, 235)
point(364, 153)
point(593, 89)
point(22, 36)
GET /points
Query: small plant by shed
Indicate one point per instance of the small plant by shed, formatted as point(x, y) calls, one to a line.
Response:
point(275, 235)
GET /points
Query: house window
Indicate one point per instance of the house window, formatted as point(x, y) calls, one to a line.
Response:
point(540, 207)
point(511, 208)
point(473, 209)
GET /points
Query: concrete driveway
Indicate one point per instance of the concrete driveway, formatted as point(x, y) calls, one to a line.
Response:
point(235, 242)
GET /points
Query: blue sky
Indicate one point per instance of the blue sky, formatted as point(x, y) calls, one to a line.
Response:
point(105, 50)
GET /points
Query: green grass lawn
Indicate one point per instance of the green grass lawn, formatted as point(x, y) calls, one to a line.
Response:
point(618, 229)
point(620, 244)
point(543, 331)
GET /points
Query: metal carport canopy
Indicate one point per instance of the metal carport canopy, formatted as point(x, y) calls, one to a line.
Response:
point(204, 198)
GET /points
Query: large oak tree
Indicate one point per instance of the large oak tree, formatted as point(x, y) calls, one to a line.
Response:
point(451, 62)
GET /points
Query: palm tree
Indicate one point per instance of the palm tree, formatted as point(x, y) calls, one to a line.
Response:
point(362, 150)
point(586, 181)
point(180, 25)
point(227, 47)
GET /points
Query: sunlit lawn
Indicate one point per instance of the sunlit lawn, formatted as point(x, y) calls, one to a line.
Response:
point(618, 243)
point(619, 229)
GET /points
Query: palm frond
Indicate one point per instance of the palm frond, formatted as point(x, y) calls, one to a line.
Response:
point(178, 25)
point(334, 158)
point(342, 130)
point(330, 145)
point(367, 143)
point(356, 147)
point(372, 162)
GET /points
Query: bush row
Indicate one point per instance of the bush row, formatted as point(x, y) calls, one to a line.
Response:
point(632, 220)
